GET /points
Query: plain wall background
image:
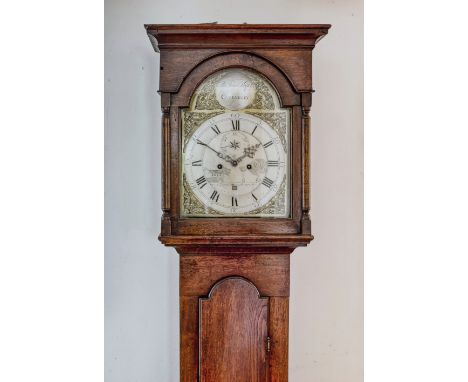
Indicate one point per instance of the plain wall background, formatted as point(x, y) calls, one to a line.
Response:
point(141, 280)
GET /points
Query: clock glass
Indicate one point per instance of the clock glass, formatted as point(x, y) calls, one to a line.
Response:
point(235, 149)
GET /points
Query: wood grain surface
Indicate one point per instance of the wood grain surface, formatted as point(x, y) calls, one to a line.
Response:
point(233, 333)
point(269, 273)
point(278, 329)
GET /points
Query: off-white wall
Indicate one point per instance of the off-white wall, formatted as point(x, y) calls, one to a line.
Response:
point(141, 282)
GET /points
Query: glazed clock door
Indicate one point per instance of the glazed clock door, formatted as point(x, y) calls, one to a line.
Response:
point(233, 333)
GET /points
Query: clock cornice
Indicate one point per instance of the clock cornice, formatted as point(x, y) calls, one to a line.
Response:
point(235, 36)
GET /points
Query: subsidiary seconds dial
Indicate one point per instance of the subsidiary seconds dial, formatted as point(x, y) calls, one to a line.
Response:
point(235, 163)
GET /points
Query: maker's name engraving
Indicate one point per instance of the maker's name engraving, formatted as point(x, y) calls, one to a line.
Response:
point(235, 91)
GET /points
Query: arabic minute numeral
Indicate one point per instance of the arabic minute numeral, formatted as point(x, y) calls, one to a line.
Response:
point(268, 144)
point(201, 181)
point(267, 182)
point(235, 124)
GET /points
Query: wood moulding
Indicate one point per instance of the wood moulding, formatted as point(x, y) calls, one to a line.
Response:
point(180, 36)
point(236, 243)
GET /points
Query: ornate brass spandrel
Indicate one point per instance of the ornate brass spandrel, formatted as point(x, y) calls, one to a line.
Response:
point(191, 205)
point(278, 120)
point(277, 205)
point(192, 120)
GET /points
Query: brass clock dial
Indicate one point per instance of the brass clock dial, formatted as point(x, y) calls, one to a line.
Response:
point(235, 163)
point(235, 159)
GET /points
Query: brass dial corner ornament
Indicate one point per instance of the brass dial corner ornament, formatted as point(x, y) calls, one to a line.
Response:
point(235, 159)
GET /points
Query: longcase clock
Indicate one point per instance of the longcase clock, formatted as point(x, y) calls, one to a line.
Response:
point(235, 188)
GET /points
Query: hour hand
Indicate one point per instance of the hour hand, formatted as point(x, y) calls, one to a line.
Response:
point(249, 151)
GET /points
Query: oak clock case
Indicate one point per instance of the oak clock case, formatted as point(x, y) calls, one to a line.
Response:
point(235, 188)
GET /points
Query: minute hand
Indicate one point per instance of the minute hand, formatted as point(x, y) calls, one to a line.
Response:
point(227, 158)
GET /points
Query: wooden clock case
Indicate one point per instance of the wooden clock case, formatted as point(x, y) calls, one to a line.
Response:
point(234, 272)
